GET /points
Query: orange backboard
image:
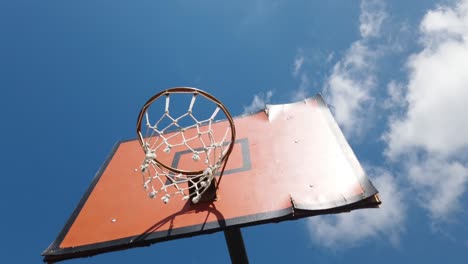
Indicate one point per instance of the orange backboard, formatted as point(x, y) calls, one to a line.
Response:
point(289, 161)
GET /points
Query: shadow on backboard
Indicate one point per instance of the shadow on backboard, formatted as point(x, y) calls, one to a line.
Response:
point(208, 208)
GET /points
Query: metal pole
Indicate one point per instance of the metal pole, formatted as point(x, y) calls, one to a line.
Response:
point(236, 247)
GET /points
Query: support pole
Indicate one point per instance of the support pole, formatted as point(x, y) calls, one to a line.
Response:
point(236, 247)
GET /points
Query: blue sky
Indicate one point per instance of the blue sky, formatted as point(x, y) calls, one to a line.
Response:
point(74, 75)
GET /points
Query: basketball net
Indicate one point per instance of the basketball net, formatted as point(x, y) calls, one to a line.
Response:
point(207, 143)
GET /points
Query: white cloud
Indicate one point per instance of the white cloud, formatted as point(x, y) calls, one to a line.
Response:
point(348, 229)
point(350, 85)
point(298, 61)
point(330, 57)
point(259, 101)
point(430, 138)
point(445, 23)
point(298, 73)
point(301, 92)
point(439, 183)
point(437, 92)
point(371, 18)
point(395, 99)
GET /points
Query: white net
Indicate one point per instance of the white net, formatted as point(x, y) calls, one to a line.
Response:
point(183, 150)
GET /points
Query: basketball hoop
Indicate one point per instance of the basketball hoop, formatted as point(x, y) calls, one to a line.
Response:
point(169, 138)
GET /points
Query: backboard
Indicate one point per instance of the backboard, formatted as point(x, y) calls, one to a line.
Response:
point(289, 161)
